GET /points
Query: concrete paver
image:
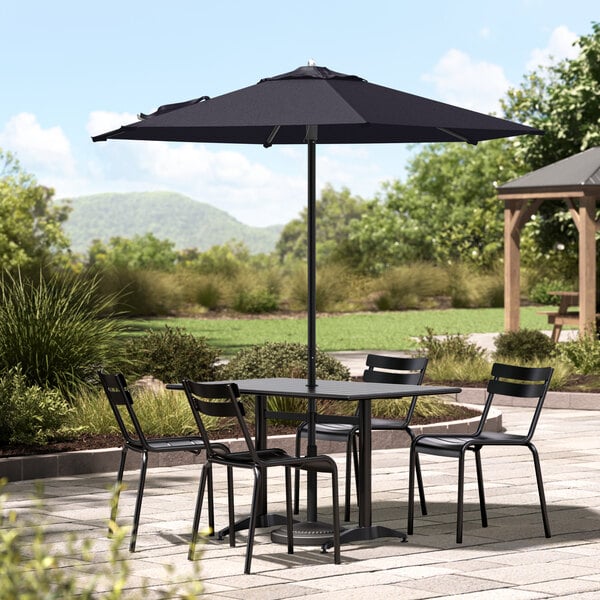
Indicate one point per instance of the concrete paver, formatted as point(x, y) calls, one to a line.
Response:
point(510, 559)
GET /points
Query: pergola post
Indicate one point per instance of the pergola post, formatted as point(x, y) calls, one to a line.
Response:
point(587, 264)
point(512, 265)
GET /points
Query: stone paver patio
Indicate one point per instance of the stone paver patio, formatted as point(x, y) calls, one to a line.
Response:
point(510, 559)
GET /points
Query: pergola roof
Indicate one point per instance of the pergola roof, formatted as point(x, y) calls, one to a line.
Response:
point(576, 173)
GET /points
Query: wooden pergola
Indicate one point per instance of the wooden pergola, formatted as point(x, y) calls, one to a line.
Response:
point(576, 180)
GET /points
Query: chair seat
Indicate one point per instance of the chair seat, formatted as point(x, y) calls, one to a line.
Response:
point(453, 445)
point(193, 444)
point(329, 431)
point(388, 424)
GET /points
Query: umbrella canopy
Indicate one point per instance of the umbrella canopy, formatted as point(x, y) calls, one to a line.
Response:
point(313, 105)
point(345, 108)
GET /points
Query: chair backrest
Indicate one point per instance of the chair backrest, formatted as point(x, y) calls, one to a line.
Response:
point(518, 382)
point(217, 400)
point(120, 399)
point(398, 369)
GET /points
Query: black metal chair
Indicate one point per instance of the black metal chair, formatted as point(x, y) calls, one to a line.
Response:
point(398, 370)
point(222, 400)
point(121, 402)
point(507, 380)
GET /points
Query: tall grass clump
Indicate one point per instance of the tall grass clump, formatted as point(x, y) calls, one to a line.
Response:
point(57, 329)
point(139, 292)
point(453, 358)
point(470, 288)
point(332, 293)
point(410, 286)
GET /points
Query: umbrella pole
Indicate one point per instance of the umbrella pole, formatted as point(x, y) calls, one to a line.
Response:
point(312, 264)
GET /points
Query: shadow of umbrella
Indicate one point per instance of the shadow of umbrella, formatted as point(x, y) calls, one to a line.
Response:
point(313, 105)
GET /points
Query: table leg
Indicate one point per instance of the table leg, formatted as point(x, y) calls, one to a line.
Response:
point(365, 530)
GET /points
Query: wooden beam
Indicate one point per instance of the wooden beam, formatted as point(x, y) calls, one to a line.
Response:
point(512, 264)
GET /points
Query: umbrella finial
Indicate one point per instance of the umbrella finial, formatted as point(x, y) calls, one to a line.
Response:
point(312, 62)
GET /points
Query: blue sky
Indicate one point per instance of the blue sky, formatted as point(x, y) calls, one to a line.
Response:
point(72, 69)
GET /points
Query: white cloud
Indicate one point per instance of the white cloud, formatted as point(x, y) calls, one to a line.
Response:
point(560, 46)
point(461, 80)
point(38, 149)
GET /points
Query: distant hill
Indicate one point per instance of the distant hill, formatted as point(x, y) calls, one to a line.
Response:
point(167, 215)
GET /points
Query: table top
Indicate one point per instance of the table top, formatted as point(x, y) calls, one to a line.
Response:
point(337, 390)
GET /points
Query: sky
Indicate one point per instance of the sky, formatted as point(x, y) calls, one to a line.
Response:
point(73, 69)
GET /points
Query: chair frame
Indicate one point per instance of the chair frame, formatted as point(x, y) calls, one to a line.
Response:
point(396, 370)
point(507, 380)
point(120, 398)
point(223, 400)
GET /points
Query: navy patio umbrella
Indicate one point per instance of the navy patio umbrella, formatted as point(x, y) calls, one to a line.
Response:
point(314, 105)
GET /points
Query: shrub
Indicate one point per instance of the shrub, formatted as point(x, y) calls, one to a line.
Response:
point(283, 359)
point(333, 287)
point(456, 347)
point(28, 414)
point(523, 345)
point(583, 353)
point(57, 329)
point(473, 289)
point(255, 301)
point(172, 355)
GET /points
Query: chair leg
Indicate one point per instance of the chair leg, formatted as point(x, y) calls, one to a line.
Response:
point(540, 484)
point(411, 489)
point(482, 507)
point(288, 510)
point(231, 507)
point(211, 503)
point(252, 523)
point(297, 477)
point(420, 485)
point(350, 447)
point(118, 487)
point(460, 499)
point(138, 502)
point(206, 473)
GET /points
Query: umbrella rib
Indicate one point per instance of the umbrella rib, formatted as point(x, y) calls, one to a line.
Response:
point(456, 135)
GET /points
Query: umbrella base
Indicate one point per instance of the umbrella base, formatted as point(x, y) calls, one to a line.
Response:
point(307, 533)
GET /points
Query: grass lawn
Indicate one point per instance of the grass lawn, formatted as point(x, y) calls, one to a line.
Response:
point(353, 331)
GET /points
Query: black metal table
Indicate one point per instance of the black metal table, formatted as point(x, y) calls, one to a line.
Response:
point(311, 532)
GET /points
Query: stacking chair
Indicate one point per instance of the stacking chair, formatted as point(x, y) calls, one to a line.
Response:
point(121, 402)
point(398, 370)
point(221, 400)
point(507, 380)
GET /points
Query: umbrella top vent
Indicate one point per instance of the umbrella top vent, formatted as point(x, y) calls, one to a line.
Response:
point(313, 72)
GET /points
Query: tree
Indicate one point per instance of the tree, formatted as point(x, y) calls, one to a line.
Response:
point(334, 213)
point(446, 211)
point(30, 224)
point(145, 252)
point(563, 101)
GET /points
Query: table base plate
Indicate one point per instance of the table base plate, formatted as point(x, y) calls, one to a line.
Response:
point(307, 533)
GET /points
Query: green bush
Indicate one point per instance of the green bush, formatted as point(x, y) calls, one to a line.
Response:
point(255, 301)
point(524, 345)
point(172, 355)
point(470, 288)
point(282, 359)
point(28, 413)
point(456, 347)
point(583, 353)
point(57, 329)
point(333, 288)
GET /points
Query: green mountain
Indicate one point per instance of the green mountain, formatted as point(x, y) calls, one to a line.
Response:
point(167, 215)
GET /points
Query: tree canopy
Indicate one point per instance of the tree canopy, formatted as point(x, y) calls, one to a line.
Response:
point(30, 224)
